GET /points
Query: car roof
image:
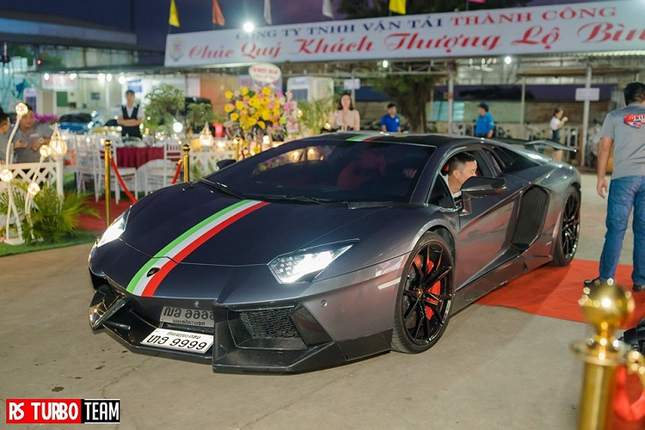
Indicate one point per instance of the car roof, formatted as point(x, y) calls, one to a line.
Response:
point(430, 139)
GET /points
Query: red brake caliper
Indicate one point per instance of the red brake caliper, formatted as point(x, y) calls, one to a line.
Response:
point(434, 289)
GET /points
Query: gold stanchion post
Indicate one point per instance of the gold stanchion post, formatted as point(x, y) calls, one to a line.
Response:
point(186, 162)
point(605, 307)
point(237, 144)
point(107, 154)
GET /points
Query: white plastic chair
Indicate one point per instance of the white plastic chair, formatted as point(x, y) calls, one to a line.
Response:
point(129, 174)
point(84, 169)
point(159, 173)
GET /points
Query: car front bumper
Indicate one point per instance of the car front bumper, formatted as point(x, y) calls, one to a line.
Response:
point(273, 338)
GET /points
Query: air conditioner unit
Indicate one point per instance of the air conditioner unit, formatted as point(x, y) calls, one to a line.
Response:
point(310, 88)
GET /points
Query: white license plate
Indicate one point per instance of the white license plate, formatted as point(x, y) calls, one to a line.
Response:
point(179, 340)
point(187, 317)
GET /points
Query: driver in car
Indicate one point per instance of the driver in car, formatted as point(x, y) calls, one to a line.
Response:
point(458, 170)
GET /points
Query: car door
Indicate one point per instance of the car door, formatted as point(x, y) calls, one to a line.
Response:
point(483, 240)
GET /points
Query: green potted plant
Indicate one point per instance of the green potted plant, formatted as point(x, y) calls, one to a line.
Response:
point(197, 115)
point(165, 104)
point(315, 115)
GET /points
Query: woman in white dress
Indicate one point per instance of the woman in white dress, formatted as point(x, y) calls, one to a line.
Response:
point(346, 118)
point(557, 122)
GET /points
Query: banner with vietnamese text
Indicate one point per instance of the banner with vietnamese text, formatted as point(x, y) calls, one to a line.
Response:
point(581, 27)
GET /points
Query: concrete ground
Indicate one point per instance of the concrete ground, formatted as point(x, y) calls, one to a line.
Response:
point(495, 368)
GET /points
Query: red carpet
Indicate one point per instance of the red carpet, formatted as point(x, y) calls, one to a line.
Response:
point(554, 291)
point(90, 223)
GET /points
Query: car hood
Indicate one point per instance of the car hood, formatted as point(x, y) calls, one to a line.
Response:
point(198, 225)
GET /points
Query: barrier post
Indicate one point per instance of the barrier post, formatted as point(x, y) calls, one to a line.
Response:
point(107, 144)
point(605, 307)
point(237, 144)
point(186, 162)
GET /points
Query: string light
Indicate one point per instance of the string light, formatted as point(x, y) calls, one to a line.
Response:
point(33, 188)
point(21, 109)
point(45, 151)
point(6, 175)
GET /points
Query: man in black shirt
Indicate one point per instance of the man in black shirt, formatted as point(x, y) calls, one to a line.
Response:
point(131, 117)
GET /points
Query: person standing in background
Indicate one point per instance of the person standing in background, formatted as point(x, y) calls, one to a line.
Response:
point(625, 129)
point(4, 134)
point(131, 117)
point(391, 121)
point(485, 125)
point(557, 122)
point(29, 137)
point(346, 118)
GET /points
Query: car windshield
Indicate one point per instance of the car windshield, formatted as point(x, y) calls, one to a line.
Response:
point(328, 171)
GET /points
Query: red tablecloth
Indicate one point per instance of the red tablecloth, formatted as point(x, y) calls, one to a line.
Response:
point(137, 157)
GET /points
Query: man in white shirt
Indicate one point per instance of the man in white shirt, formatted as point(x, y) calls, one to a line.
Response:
point(131, 117)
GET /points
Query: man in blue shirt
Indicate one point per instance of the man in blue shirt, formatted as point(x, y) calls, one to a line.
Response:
point(485, 122)
point(391, 121)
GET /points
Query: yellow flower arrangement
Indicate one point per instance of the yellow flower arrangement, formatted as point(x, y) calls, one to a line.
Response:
point(253, 113)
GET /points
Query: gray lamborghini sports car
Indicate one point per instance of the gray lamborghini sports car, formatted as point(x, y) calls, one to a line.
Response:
point(328, 249)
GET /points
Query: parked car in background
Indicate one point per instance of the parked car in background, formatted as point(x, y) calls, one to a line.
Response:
point(76, 122)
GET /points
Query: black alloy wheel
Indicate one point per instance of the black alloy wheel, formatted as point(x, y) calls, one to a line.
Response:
point(569, 236)
point(425, 296)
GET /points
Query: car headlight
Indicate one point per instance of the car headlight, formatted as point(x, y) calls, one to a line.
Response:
point(305, 265)
point(115, 230)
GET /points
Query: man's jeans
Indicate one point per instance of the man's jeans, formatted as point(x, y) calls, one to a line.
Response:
point(624, 193)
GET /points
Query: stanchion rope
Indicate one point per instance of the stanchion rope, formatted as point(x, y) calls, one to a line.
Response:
point(174, 178)
point(627, 411)
point(120, 179)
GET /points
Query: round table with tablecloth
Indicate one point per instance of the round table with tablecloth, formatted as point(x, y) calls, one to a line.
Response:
point(137, 157)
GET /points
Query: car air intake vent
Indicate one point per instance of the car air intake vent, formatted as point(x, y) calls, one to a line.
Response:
point(270, 324)
point(533, 207)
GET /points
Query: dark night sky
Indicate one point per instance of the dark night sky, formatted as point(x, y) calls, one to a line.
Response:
point(151, 16)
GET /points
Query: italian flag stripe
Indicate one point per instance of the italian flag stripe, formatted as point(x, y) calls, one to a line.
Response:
point(364, 138)
point(177, 250)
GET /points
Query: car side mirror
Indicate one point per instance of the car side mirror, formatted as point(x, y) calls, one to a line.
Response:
point(480, 186)
point(224, 163)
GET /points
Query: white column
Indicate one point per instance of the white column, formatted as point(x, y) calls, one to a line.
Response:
point(353, 89)
point(107, 95)
point(523, 108)
point(60, 176)
point(585, 119)
point(451, 95)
